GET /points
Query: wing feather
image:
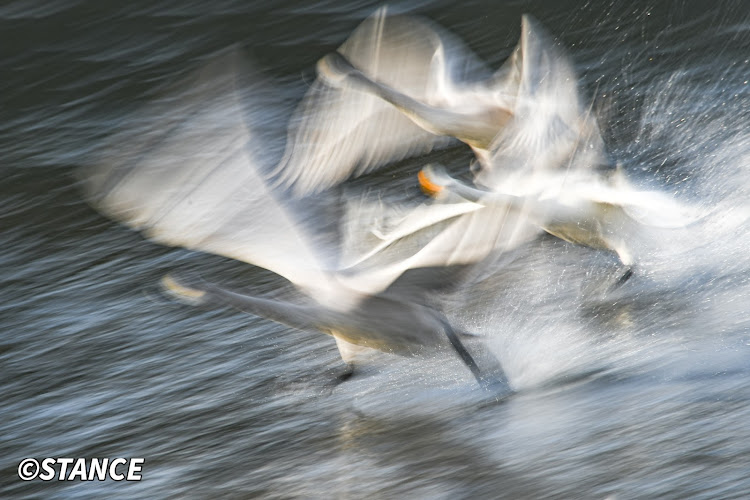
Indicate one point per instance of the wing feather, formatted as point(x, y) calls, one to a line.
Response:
point(191, 173)
point(340, 132)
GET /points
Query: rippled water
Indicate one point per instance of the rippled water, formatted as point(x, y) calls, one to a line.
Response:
point(638, 393)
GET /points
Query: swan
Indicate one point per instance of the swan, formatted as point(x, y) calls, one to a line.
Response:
point(538, 149)
point(194, 174)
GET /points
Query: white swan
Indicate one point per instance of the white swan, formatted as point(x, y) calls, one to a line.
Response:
point(195, 176)
point(540, 150)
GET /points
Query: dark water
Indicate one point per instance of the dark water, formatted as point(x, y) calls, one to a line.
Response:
point(96, 363)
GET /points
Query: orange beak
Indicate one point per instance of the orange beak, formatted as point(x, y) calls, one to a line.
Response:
point(428, 187)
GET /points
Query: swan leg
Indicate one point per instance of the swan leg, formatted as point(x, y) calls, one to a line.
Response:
point(498, 381)
point(623, 253)
point(622, 279)
point(345, 374)
point(353, 355)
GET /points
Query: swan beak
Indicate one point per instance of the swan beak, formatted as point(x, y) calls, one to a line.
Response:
point(182, 292)
point(428, 187)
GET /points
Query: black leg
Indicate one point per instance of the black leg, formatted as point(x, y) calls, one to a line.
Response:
point(487, 383)
point(622, 279)
point(346, 374)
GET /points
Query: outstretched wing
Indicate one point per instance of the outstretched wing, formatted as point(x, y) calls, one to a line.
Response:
point(338, 132)
point(453, 235)
point(188, 172)
point(550, 128)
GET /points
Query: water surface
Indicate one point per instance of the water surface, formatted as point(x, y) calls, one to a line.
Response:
point(639, 393)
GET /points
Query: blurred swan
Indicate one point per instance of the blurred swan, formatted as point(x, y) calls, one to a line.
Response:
point(605, 213)
point(349, 123)
point(530, 106)
point(340, 131)
point(195, 175)
point(540, 150)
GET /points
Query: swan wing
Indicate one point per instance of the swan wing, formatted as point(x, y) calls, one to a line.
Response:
point(550, 129)
point(340, 132)
point(188, 172)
